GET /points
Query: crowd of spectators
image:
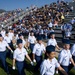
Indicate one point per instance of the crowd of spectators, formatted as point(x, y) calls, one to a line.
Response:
point(5, 16)
point(42, 20)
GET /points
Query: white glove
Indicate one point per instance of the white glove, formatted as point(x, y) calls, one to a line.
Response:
point(11, 51)
point(34, 61)
point(13, 67)
point(56, 71)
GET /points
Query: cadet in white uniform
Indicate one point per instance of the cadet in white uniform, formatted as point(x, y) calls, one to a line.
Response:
point(52, 40)
point(38, 50)
point(65, 56)
point(3, 32)
point(11, 33)
point(73, 55)
point(3, 52)
point(31, 40)
point(21, 37)
point(7, 38)
point(73, 52)
point(19, 56)
point(48, 65)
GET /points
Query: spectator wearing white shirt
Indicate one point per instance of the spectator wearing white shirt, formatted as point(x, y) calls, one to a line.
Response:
point(50, 24)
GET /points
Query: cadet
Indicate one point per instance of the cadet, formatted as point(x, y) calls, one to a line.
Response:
point(65, 56)
point(73, 56)
point(19, 56)
point(31, 40)
point(22, 37)
point(52, 40)
point(38, 50)
point(3, 52)
point(48, 65)
point(73, 52)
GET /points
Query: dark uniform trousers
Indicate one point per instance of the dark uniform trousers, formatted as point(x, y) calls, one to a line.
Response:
point(71, 66)
point(9, 54)
point(20, 66)
point(3, 60)
point(31, 46)
point(39, 61)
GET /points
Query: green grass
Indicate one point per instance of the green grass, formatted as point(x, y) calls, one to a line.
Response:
point(29, 70)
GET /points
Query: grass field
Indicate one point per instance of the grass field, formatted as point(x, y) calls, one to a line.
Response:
point(29, 69)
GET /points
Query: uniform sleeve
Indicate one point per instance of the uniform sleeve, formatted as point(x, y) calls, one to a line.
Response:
point(55, 42)
point(60, 58)
point(70, 55)
point(42, 69)
point(34, 49)
point(14, 55)
point(57, 64)
point(6, 44)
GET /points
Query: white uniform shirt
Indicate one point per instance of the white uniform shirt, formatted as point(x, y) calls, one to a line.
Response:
point(38, 49)
point(64, 57)
point(31, 39)
point(20, 55)
point(7, 39)
point(52, 42)
point(48, 67)
point(11, 35)
point(50, 24)
point(3, 46)
point(3, 33)
point(73, 50)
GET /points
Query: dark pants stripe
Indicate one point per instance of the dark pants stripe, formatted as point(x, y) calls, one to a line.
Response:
point(20, 67)
point(3, 60)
